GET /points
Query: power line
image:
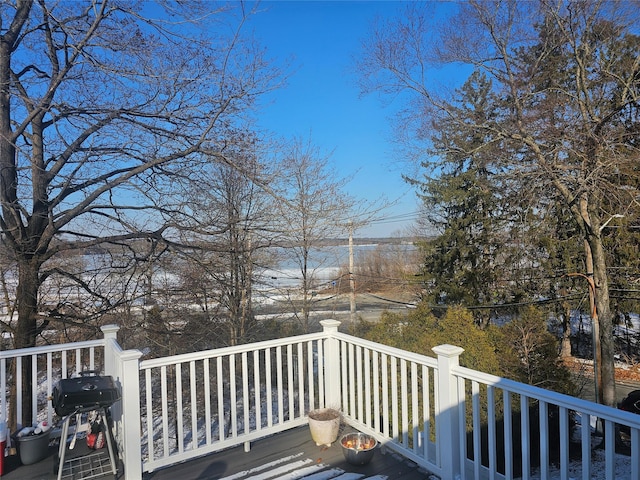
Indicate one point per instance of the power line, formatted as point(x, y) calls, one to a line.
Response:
point(401, 217)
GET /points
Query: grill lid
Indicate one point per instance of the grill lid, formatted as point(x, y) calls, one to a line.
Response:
point(84, 393)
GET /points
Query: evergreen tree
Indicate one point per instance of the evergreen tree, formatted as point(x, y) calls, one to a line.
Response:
point(462, 201)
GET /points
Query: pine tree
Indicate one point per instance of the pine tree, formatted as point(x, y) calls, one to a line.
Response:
point(462, 201)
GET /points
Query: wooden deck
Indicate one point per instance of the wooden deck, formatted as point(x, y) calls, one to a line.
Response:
point(291, 455)
point(288, 455)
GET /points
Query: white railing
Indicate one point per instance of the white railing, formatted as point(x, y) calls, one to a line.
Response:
point(541, 427)
point(391, 394)
point(46, 366)
point(202, 402)
point(450, 420)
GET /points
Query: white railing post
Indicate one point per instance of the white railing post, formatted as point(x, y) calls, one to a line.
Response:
point(331, 364)
point(124, 367)
point(447, 415)
point(110, 340)
point(130, 426)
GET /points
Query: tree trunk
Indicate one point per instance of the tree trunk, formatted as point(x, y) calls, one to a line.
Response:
point(26, 330)
point(602, 304)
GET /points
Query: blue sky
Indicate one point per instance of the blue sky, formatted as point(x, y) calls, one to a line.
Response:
point(321, 99)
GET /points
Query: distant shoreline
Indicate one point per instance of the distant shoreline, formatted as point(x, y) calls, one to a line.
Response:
point(332, 242)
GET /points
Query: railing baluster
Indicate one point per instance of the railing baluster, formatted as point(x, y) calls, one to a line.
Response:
point(351, 380)
point(245, 392)
point(477, 439)
point(49, 386)
point(543, 414)
point(346, 388)
point(635, 453)
point(395, 427)
point(34, 386)
point(301, 384)
point(233, 396)
point(508, 434)
point(491, 431)
point(586, 446)
point(194, 404)
point(279, 385)
point(311, 378)
point(610, 450)
point(462, 424)
point(359, 383)
point(404, 402)
point(164, 388)
point(376, 391)
point(525, 426)
point(415, 412)
point(321, 375)
point(18, 374)
point(385, 396)
point(367, 387)
point(149, 414)
point(222, 434)
point(269, 386)
point(290, 386)
point(426, 412)
point(179, 407)
point(78, 361)
point(564, 443)
point(64, 366)
point(208, 424)
point(256, 389)
point(268, 377)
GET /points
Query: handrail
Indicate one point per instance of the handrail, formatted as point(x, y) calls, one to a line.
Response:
point(381, 348)
point(224, 351)
point(29, 351)
point(549, 396)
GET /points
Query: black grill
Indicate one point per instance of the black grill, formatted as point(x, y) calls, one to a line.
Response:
point(84, 393)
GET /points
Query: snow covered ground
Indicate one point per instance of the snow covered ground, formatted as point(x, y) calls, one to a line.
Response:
point(598, 464)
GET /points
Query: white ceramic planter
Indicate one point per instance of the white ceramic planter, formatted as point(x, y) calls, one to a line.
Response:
point(324, 424)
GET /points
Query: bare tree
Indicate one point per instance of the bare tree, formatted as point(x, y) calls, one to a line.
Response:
point(98, 106)
point(314, 207)
point(234, 220)
point(565, 80)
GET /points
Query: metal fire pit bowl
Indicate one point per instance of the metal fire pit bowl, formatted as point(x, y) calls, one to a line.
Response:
point(358, 448)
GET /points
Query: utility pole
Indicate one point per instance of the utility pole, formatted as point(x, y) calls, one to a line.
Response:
point(352, 281)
